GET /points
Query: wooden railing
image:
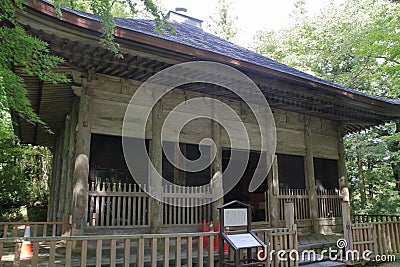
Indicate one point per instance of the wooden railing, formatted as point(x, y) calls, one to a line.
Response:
point(279, 239)
point(17, 229)
point(190, 205)
point(300, 199)
point(112, 204)
point(362, 218)
point(329, 203)
point(381, 238)
point(147, 249)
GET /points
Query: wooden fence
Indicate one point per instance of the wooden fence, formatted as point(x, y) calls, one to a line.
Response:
point(279, 239)
point(190, 205)
point(43, 229)
point(300, 199)
point(148, 249)
point(381, 238)
point(329, 204)
point(112, 204)
point(362, 218)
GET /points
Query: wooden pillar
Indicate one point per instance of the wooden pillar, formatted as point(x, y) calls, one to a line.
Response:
point(155, 182)
point(310, 177)
point(64, 167)
point(348, 236)
point(58, 177)
point(342, 171)
point(71, 163)
point(289, 215)
point(52, 208)
point(79, 206)
point(216, 171)
point(273, 192)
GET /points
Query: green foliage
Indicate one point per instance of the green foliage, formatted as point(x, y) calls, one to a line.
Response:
point(355, 44)
point(24, 170)
point(222, 23)
point(108, 9)
point(27, 54)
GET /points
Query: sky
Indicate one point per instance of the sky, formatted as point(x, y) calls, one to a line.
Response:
point(253, 15)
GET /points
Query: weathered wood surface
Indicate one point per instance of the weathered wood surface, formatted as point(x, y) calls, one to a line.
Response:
point(126, 205)
point(273, 192)
point(300, 199)
point(310, 176)
point(155, 172)
point(81, 166)
point(365, 218)
point(154, 249)
point(37, 229)
point(329, 204)
point(112, 95)
point(71, 162)
point(380, 238)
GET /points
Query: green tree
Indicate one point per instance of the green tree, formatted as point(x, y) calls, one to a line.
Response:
point(23, 168)
point(355, 44)
point(222, 23)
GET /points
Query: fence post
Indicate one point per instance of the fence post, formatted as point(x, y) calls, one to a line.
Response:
point(347, 226)
point(289, 214)
point(273, 192)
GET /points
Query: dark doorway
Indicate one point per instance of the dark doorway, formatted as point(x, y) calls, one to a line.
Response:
point(186, 178)
point(240, 192)
point(326, 174)
point(291, 172)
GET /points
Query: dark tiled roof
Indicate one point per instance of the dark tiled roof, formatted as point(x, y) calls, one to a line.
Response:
point(199, 39)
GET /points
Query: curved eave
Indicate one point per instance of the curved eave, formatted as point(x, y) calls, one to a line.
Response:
point(385, 108)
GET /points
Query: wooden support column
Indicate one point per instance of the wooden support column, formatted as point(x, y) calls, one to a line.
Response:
point(64, 168)
point(347, 231)
point(273, 192)
point(216, 171)
point(342, 171)
point(79, 206)
point(71, 162)
point(57, 199)
point(52, 210)
point(310, 177)
point(155, 182)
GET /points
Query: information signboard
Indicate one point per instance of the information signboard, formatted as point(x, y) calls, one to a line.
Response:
point(235, 217)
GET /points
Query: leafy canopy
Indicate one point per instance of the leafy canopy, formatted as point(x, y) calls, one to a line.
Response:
point(355, 44)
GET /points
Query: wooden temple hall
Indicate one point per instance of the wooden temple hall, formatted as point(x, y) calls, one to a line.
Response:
point(92, 190)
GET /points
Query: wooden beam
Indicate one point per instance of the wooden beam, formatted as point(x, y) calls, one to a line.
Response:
point(309, 173)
